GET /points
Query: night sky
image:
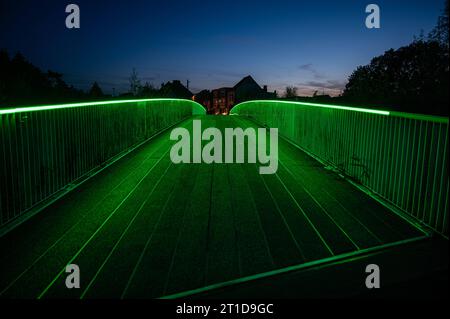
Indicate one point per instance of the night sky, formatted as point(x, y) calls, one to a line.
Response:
point(308, 44)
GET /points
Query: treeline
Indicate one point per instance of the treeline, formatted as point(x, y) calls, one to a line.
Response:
point(21, 83)
point(413, 78)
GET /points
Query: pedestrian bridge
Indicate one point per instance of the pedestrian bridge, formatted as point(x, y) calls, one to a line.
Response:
point(92, 184)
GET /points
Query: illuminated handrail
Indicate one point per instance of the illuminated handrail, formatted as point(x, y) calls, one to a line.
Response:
point(196, 107)
point(45, 148)
point(237, 107)
point(401, 157)
point(424, 117)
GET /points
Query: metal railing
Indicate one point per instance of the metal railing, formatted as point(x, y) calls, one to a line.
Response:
point(401, 157)
point(45, 148)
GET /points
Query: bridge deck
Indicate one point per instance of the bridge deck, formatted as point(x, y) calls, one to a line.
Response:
point(144, 227)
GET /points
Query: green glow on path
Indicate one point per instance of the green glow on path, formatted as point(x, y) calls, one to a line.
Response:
point(328, 106)
point(342, 259)
point(74, 105)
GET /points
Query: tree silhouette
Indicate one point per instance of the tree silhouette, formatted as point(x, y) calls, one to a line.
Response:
point(21, 83)
point(96, 91)
point(135, 83)
point(148, 91)
point(440, 31)
point(413, 78)
point(290, 92)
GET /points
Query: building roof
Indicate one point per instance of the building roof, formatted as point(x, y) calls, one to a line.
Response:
point(175, 89)
point(247, 80)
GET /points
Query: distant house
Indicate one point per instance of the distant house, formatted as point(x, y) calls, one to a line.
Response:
point(247, 89)
point(221, 100)
point(204, 98)
point(175, 89)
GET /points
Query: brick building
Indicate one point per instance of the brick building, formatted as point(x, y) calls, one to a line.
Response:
point(220, 101)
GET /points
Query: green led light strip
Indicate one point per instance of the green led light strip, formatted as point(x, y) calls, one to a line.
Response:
point(328, 106)
point(415, 116)
point(72, 105)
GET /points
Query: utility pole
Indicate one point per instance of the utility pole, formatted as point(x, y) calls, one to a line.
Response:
point(187, 84)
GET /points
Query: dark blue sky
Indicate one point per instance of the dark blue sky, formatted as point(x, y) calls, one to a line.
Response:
point(308, 44)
